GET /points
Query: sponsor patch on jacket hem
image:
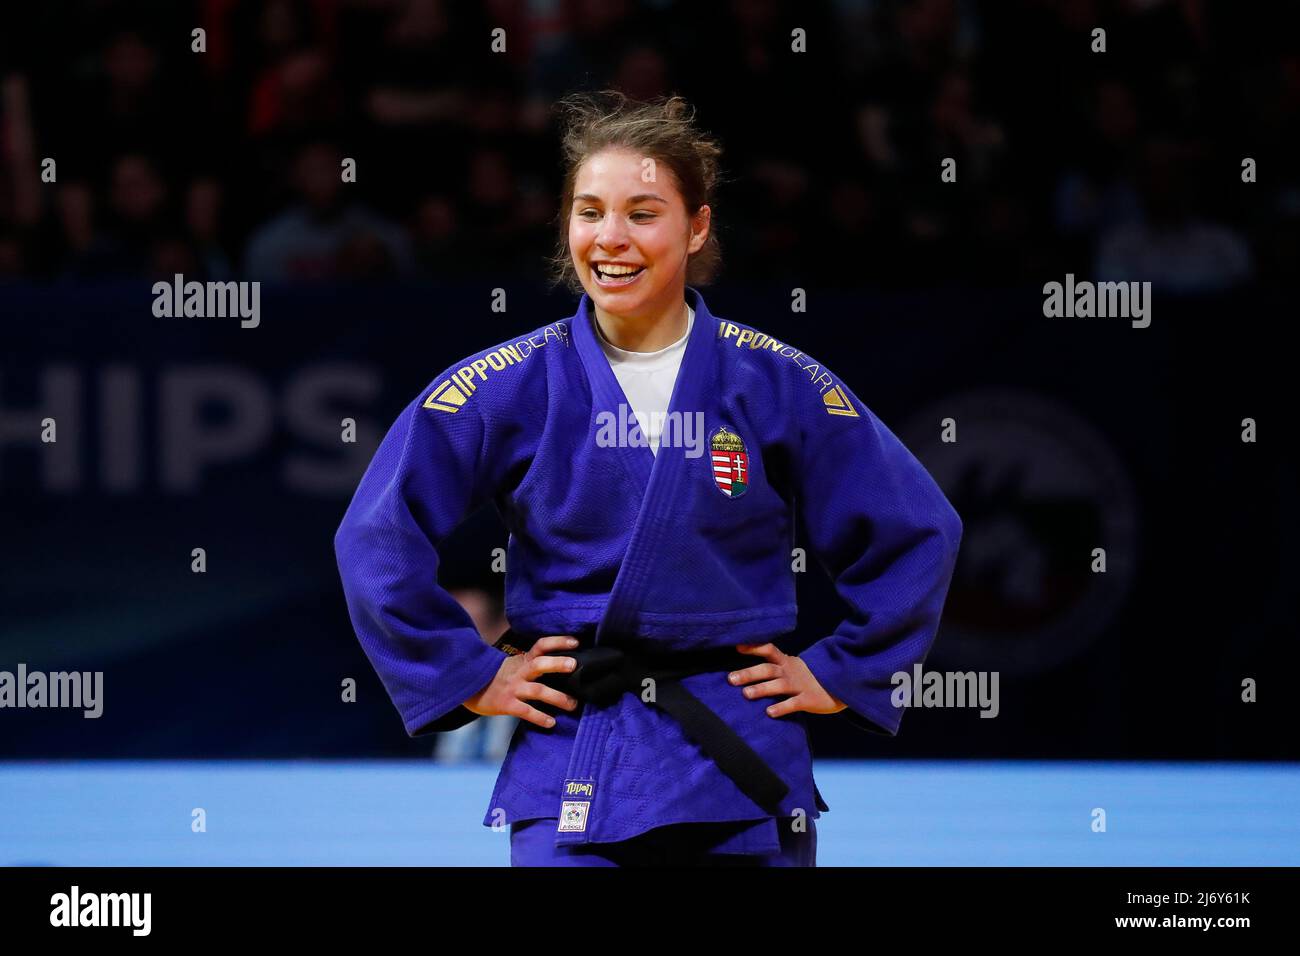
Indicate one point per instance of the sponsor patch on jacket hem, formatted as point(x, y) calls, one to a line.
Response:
point(573, 816)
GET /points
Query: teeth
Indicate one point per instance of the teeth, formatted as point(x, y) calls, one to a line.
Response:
point(611, 270)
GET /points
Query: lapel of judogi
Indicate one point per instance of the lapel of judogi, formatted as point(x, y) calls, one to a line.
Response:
point(657, 478)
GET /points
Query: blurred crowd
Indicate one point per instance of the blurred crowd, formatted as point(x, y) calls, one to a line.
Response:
point(1125, 164)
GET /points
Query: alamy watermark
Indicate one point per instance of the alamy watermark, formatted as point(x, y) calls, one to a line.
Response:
point(75, 908)
point(208, 300)
point(675, 430)
point(80, 690)
point(946, 689)
point(1100, 300)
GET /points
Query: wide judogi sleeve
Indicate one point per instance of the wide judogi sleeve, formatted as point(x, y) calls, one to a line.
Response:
point(426, 476)
point(882, 528)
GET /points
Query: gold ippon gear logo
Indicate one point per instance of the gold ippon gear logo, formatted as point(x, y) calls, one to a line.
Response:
point(834, 397)
point(451, 394)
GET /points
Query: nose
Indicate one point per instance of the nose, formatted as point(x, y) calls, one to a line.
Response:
point(612, 233)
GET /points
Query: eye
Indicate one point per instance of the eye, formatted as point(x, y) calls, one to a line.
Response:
point(643, 216)
point(584, 214)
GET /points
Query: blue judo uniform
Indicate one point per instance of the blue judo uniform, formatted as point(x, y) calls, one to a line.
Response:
point(681, 551)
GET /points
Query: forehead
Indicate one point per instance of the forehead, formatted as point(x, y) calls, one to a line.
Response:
point(614, 174)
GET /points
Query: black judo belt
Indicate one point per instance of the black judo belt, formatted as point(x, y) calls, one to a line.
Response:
point(604, 673)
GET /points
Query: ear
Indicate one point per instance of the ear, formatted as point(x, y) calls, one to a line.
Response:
point(700, 225)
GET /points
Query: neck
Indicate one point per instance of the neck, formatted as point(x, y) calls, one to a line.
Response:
point(643, 333)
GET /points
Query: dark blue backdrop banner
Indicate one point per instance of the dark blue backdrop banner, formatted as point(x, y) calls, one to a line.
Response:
point(182, 433)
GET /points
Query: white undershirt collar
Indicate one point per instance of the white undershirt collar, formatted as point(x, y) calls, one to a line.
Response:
point(645, 361)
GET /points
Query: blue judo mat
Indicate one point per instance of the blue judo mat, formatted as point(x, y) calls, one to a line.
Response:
point(408, 813)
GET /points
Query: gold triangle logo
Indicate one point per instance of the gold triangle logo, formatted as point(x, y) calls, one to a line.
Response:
point(446, 398)
point(837, 403)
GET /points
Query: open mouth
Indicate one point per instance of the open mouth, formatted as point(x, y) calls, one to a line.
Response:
point(612, 275)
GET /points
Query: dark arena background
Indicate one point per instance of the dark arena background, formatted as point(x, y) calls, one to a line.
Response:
point(915, 173)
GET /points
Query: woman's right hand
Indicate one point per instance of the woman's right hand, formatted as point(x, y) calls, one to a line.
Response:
point(516, 682)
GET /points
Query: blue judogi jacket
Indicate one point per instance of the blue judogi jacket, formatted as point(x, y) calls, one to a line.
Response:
point(687, 549)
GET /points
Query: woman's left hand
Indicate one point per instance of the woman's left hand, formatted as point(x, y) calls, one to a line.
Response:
point(784, 674)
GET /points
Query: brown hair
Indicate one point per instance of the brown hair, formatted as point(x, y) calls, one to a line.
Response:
point(663, 129)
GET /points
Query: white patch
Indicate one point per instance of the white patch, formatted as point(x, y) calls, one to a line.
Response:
point(573, 816)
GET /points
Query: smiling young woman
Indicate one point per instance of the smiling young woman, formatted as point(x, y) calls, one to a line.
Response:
point(635, 215)
point(649, 581)
point(631, 248)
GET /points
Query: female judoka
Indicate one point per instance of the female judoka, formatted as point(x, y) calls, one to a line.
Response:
point(649, 460)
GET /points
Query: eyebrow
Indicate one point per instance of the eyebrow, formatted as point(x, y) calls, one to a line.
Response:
point(641, 197)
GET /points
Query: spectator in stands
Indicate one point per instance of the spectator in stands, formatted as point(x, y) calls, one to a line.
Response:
point(1171, 245)
point(326, 234)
